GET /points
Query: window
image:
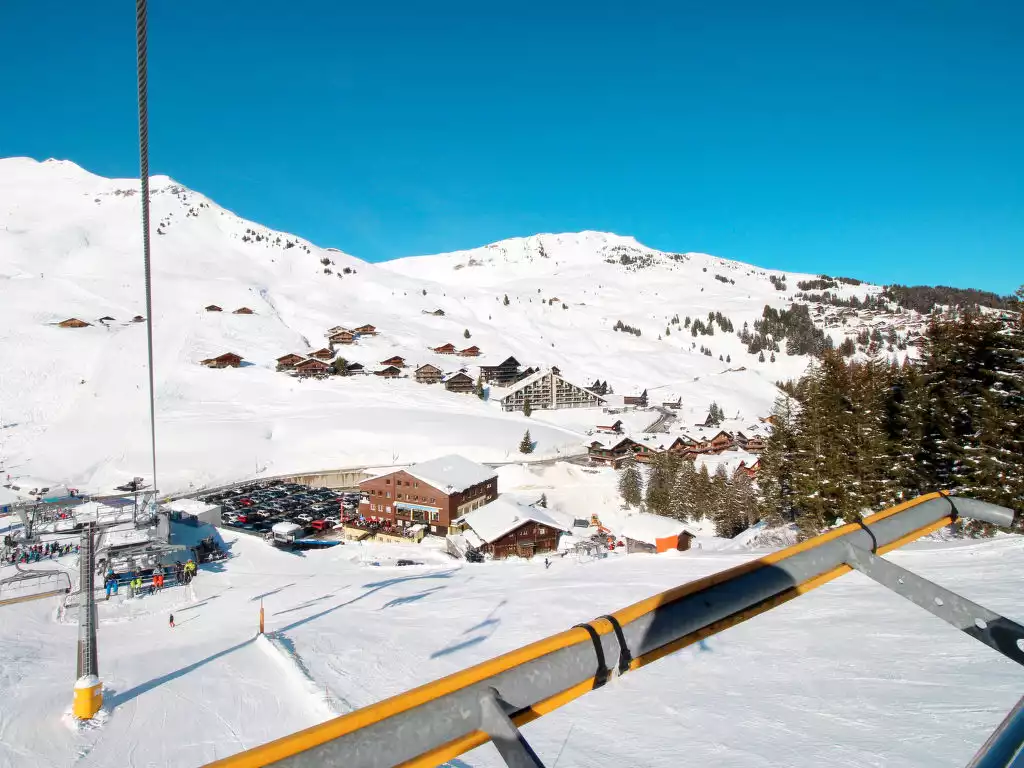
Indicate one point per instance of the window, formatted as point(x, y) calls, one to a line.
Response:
point(389, 510)
point(541, 529)
point(415, 485)
point(435, 517)
point(431, 499)
point(389, 494)
point(387, 482)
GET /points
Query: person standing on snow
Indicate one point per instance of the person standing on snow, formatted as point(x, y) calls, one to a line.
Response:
point(172, 621)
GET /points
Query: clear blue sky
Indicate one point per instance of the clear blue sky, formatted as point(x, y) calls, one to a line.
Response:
point(883, 140)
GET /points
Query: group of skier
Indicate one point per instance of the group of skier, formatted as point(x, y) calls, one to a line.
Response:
point(13, 553)
point(183, 574)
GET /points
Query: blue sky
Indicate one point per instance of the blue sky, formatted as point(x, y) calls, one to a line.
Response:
point(883, 140)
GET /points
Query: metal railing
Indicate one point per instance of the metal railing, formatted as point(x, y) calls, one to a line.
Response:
point(488, 702)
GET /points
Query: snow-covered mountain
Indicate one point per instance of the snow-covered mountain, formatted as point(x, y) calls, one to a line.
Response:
point(73, 402)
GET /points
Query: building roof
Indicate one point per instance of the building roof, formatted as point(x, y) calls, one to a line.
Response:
point(189, 506)
point(508, 361)
point(7, 496)
point(451, 473)
point(455, 374)
point(284, 528)
point(503, 515)
point(648, 528)
point(731, 460)
point(428, 366)
point(312, 363)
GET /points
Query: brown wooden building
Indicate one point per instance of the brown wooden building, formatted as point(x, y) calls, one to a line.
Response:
point(312, 368)
point(445, 349)
point(614, 452)
point(396, 361)
point(507, 528)
point(432, 492)
point(502, 374)
point(289, 361)
point(391, 372)
point(227, 360)
point(342, 337)
point(213, 308)
point(653, 533)
point(637, 400)
point(73, 322)
point(428, 374)
point(755, 444)
point(460, 382)
point(243, 311)
point(351, 369)
point(473, 351)
point(323, 354)
point(366, 330)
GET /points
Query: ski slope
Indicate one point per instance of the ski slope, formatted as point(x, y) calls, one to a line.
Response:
point(849, 675)
point(73, 402)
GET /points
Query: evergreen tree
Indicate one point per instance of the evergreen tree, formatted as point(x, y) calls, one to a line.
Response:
point(543, 502)
point(505, 301)
point(682, 500)
point(465, 333)
point(660, 479)
point(630, 483)
point(526, 444)
point(478, 388)
point(338, 366)
point(527, 407)
point(743, 498)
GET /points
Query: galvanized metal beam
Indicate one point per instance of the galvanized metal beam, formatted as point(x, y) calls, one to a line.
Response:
point(495, 722)
point(1005, 747)
point(995, 631)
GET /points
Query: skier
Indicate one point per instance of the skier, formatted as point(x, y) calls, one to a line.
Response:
point(547, 563)
point(172, 621)
point(158, 581)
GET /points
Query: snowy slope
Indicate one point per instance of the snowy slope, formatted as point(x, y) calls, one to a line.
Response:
point(73, 401)
point(848, 675)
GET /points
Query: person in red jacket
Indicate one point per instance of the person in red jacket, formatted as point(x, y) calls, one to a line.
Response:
point(158, 581)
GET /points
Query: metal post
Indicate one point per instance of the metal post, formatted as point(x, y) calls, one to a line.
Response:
point(1005, 747)
point(88, 662)
point(511, 745)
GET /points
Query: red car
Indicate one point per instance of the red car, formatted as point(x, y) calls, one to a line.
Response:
point(318, 525)
point(243, 517)
point(245, 502)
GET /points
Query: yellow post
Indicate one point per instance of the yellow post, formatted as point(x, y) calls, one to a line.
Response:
point(261, 617)
point(88, 697)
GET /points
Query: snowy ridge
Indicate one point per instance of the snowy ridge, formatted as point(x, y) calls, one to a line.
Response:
point(73, 401)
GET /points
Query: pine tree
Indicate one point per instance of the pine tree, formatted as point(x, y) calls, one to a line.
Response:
point(543, 502)
point(682, 502)
point(775, 475)
point(339, 366)
point(478, 388)
point(527, 407)
point(526, 444)
point(660, 479)
point(630, 483)
point(505, 301)
point(465, 333)
point(744, 501)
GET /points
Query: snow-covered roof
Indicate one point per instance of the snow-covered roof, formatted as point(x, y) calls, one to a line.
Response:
point(525, 382)
point(7, 496)
point(285, 528)
point(731, 460)
point(453, 374)
point(189, 506)
point(648, 528)
point(451, 473)
point(495, 519)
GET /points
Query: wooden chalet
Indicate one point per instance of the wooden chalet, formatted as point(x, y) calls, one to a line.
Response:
point(312, 368)
point(391, 372)
point(227, 360)
point(243, 311)
point(106, 319)
point(289, 361)
point(637, 400)
point(675, 405)
point(445, 349)
point(652, 534)
point(502, 374)
point(460, 381)
point(213, 308)
point(615, 427)
point(342, 337)
point(435, 313)
point(323, 354)
point(395, 361)
point(740, 441)
point(505, 528)
point(614, 453)
point(473, 351)
point(723, 441)
point(755, 444)
point(351, 369)
point(73, 322)
point(335, 329)
point(684, 446)
point(749, 471)
point(366, 330)
point(138, 319)
point(428, 374)
point(767, 419)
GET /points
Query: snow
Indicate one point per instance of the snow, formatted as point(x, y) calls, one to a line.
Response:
point(731, 460)
point(648, 528)
point(452, 473)
point(75, 401)
point(285, 528)
point(849, 674)
point(190, 506)
point(496, 518)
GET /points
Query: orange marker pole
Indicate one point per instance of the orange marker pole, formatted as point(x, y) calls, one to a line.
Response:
point(261, 617)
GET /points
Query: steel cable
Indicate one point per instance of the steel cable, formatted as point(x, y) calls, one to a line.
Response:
point(140, 39)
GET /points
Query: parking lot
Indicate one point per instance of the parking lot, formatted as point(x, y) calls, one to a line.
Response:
point(257, 506)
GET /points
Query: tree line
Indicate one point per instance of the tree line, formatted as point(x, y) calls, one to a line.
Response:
point(855, 436)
